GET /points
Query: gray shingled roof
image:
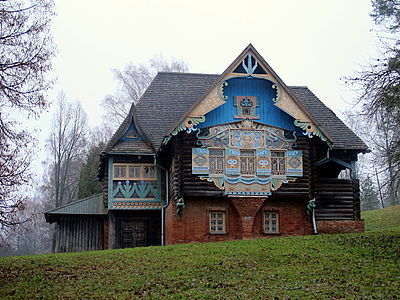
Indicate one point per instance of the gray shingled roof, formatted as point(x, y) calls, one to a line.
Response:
point(89, 206)
point(343, 137)
point(171, 95)
point(167, 99)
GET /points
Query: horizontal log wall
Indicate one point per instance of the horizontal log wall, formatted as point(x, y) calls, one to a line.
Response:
point(337, 199)
point(79, 233)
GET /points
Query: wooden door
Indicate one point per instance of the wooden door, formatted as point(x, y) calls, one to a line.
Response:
point(133, 233)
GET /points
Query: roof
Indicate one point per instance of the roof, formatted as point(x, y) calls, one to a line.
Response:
point(167, 99)
point(89, 206)
point(118, 146)
point(170, 95)
point(343, 137)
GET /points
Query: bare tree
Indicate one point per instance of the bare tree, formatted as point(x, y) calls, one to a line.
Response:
point(67, 145)
point(381, 133)
point(25, 52)
point(379, 86)
point(132, 81)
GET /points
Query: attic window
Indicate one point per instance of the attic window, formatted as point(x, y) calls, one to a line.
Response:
point(246, 107)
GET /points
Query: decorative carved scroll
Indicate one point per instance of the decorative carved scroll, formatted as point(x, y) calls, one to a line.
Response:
point(310, 129)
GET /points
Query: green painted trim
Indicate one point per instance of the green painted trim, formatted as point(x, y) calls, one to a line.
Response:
point(317, 132)
point(182, 126)
point(110, 181)
point(350, 166)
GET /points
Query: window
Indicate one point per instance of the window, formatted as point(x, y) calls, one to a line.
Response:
point(278, 162)
point(247, 162)
point(246, 111)
point(134, 172)
point(216, 157)
point(271, 222)
point(217, 222)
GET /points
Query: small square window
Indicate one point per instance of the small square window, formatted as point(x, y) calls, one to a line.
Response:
point(217, 222)
point(271, 222)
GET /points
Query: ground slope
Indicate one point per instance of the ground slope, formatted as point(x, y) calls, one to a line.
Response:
point(350, 266)
point(381, 218)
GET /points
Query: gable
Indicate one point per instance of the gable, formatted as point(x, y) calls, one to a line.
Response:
point(176, 102)
point(249, 73)
point(129, 138)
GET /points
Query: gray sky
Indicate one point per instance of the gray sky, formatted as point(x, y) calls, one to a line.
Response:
point(308, 42)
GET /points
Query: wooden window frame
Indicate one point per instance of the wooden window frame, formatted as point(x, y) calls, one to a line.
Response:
point(242, 157)
point(127, 177)
point(210, 157)
point(277, 219)
point(210, 219)
point(278, 158)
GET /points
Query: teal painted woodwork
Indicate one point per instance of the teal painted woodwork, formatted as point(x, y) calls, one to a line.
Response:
point(136, 194)
point(132, 134)
point(267, 112)
point(294, 163)
point(263, 162)
point(130, 189)
point(200, 161)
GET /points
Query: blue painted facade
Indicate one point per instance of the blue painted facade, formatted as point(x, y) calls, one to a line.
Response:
point(266, 110)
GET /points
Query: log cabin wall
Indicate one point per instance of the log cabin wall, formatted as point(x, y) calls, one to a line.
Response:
point(79, 233)
point(336, 199)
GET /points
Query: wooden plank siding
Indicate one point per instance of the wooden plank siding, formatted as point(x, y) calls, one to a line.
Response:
point(337, 199)
point(79, 233)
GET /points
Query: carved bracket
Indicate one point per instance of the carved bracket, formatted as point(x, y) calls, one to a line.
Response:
point(310, 130)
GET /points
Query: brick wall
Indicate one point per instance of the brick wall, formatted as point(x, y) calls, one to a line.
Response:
point(338, 226)
point(292, 218)
point(193, 226)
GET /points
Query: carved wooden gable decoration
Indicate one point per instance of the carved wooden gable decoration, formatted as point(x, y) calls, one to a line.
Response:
point(246, 129)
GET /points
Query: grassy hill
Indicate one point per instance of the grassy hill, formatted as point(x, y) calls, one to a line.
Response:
point(382, 218)
point(351, 266)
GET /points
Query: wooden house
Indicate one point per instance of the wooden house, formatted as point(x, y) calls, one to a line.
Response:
point(205, 158)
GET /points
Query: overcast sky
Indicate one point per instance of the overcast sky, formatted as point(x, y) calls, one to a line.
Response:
point(311, 43)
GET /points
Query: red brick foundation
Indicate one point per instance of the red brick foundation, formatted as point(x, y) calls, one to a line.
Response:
point(292, 218)
point(244, 219)
point(193, 226)
point(345, 226)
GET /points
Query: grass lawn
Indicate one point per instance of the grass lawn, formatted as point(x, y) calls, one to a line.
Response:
point(382, 218)
point(350, 266)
